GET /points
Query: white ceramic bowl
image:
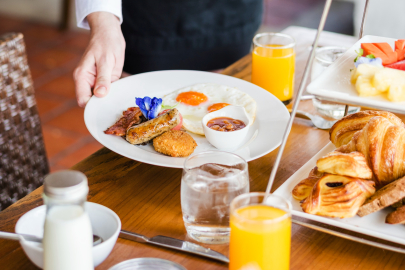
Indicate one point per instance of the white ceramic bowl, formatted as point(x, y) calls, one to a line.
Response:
point(105, 223)
point(227, 141)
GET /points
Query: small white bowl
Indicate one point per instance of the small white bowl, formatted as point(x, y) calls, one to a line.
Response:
point(227, 141)
point(105, 223)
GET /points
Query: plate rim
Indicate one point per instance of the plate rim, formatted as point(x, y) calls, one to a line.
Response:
point(171, 165)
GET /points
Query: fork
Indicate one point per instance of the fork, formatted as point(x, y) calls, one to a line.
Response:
point(317, 121)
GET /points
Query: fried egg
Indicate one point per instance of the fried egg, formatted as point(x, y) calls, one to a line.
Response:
point(194, 102)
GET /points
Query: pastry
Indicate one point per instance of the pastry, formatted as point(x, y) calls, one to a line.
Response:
point(304, 188)
point(396, 217)
point(384, 197)
point(352, 164)
point(343, 130)
point(383, 145)
point(371, 152)
point(315, 173)
point(337, 196)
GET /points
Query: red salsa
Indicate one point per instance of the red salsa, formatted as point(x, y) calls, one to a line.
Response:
point(225, 124)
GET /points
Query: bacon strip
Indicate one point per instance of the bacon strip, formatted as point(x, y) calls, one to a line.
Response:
point(130, 117)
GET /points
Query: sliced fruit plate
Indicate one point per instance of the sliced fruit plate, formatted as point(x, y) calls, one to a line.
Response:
point(342, 82)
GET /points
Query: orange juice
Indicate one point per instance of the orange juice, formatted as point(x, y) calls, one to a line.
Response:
point(273, 69)
point(260, 238)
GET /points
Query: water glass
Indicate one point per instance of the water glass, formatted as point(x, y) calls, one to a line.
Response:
point(324, 57)
point(273, 64)
point(260, 232)
point(210, 181)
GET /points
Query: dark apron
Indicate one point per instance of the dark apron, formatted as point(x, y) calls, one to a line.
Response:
point(187, 34)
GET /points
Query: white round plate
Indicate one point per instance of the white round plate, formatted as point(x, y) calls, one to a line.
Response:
point(264, 135)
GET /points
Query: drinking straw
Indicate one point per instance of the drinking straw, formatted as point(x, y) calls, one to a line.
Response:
point(297, 98)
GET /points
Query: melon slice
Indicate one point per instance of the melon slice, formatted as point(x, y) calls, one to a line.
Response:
point(400, 49)
point(370, 48)
point(380, 50)
point(387, 49)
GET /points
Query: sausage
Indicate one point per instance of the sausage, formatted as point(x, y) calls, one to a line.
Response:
point(153, 128)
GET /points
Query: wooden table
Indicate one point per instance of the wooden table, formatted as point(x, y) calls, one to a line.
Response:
point(147, 199)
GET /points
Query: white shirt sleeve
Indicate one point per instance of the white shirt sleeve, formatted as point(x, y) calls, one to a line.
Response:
point(85, 7)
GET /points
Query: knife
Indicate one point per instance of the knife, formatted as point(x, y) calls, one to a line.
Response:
point(174, 243)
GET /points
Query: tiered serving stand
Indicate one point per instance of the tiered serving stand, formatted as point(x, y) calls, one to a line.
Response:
point(289, 125)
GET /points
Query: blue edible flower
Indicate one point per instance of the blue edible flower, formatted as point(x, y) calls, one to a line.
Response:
point(367, 60)
point(150, 107)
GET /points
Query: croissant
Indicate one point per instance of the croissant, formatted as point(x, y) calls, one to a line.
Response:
point(383, 145)
point(352, 164)
point(338, 196)
point(343, 130)
point(304, 187)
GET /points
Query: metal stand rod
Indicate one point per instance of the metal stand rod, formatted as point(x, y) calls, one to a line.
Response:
point(298, 97)
point(361, 33)
point(363, 21)
point(346, 110)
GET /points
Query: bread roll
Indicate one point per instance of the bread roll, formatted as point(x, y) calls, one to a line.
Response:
point(384, 197)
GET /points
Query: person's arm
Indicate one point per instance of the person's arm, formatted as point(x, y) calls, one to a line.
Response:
point(103, 59)
point(86, 7)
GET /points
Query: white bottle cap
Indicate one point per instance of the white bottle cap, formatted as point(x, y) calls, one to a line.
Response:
point(66, 185)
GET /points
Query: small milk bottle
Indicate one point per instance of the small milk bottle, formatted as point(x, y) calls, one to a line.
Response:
point(68, 237)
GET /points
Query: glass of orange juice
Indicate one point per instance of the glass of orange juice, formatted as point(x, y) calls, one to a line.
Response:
point(260, 232)
point(273, 64)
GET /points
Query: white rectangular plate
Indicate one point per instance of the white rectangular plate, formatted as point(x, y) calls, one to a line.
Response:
point(334, 83)
point(373, 224)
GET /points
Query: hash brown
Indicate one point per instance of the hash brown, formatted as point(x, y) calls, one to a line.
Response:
point(175, 143)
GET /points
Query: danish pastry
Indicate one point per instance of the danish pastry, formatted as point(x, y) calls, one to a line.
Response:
point(304, 188)
point(338, 196)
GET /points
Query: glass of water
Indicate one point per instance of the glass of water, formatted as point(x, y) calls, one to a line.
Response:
point(324, 57)
point(209, 183)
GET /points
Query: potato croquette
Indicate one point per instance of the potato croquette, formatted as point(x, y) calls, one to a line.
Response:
point(175, 143)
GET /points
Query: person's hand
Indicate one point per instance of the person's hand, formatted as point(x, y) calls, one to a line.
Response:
point(103, 59)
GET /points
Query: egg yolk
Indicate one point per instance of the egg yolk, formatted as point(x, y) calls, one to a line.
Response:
point(217, 106)
point(191, 98)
